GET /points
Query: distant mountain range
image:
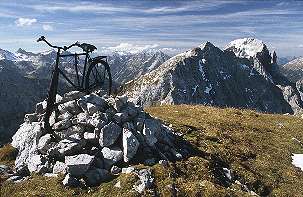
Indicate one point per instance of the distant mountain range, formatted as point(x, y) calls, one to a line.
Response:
point(241, 76)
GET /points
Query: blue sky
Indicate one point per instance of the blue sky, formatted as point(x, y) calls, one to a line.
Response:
point(174, 26)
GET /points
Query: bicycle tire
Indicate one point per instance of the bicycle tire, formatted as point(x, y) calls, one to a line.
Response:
point(98, 84)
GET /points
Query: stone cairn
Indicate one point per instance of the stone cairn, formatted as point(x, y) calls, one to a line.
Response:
point(96, 137)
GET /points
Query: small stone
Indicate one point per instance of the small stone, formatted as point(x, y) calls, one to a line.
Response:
point(164, 163)
point(77, 165)
point(145, 180)
point(118, 184)
point(29, 118)
point(128, 170)
point(109, 134)
point(70, 181)
point(111, 155)
point(90, 136)
point(50, 175)
point(115, 170)
point(130, 145)
point(41, 107)
point(59, 167)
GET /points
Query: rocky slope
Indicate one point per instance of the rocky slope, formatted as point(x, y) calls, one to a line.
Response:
point(240, 76)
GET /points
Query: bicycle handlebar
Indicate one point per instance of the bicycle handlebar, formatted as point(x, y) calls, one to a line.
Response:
point(42, 38)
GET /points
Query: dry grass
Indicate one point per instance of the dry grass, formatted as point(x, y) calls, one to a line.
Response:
point(256, 147)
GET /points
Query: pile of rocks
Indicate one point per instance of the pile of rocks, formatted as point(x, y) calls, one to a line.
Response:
point(93, 137)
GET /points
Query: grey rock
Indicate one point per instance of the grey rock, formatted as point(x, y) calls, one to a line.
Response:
point(95, 176)
point(145, 180)
point(150, 131)
point(81, 118)
point(63, 124)
point(68, 146)
point(164, 163)
point(29, 118)
point(77, 165)
point(59, 167)
point(129, 125)
point(76, 129)
point(92, 99)
point(44, 143)
point(115, 170)
point(70, 106)
point(91, 108)
point(69, 96)
point(50, 175)
point(38, 164)
point(128, 170)
point(90, 136)
point(98, 120)
point(109, 134)
point(65, 116)
point(111, 156)
point(70, 181)
point(26, 141)
point(120, 118)
point(41, 107)
point(130, 145)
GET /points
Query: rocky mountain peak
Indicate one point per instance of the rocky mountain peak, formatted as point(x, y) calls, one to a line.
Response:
point(246, 47)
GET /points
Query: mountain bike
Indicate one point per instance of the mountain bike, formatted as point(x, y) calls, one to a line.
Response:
point(95, 74)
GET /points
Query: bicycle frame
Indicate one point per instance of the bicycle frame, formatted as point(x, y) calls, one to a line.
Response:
point(51, 99)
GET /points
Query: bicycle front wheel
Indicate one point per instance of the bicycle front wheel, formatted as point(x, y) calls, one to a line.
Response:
point(98, 77)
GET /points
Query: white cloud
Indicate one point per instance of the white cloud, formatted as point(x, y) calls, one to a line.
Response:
point(47, 27)
point(300, 45)
point(131, 48)
point(20, 22)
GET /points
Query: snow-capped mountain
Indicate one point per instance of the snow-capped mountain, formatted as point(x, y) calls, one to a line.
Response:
point(239, 76)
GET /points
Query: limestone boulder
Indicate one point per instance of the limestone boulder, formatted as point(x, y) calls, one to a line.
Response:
point(109, 134)
point(130, 145)
point(77, 165)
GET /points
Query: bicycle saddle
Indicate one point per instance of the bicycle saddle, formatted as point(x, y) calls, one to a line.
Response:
point(88, 47)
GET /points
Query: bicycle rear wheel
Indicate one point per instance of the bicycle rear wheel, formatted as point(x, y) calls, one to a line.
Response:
point(98, 77)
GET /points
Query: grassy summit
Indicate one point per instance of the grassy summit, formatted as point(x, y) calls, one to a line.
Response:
point(256, 147)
